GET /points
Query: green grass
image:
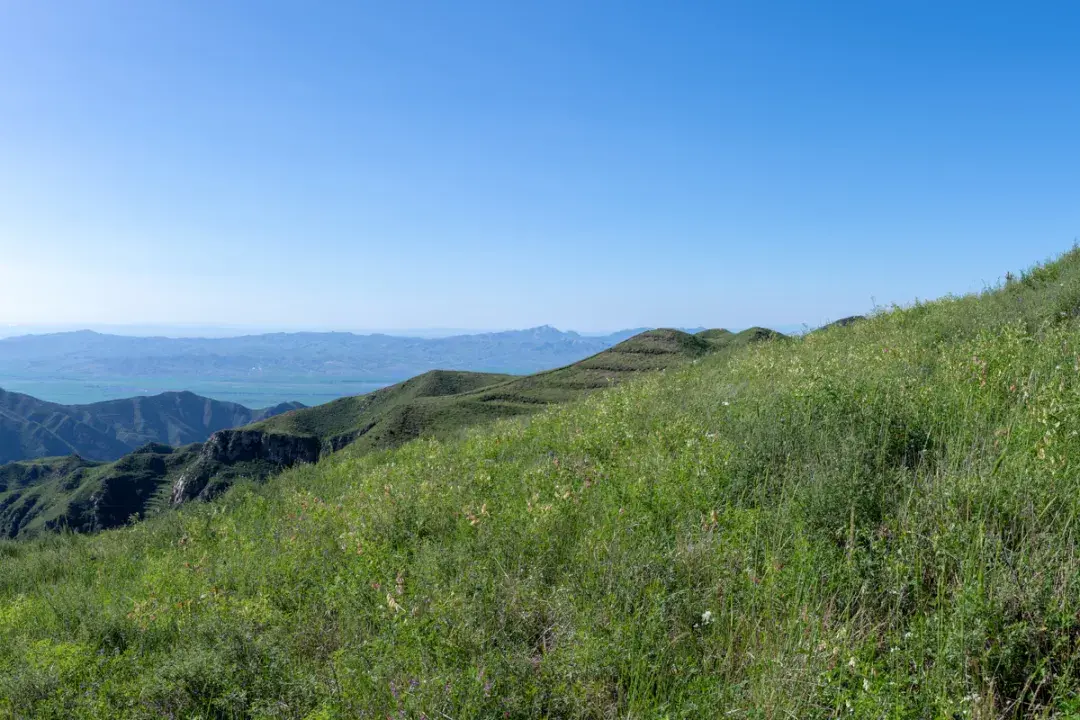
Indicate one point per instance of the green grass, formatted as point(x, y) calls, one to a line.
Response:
point(54, 494)
point(438, 404)
point(347, 416)
point(441, 404)
point(876, 521)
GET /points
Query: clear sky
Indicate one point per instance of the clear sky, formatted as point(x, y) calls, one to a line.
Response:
point(499, 164)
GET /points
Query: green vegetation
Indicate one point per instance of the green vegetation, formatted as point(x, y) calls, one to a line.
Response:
point(341, 421)
point(87, 497)
point(726, 339)
point(875, 520)
point(32, 428)
point(440, 403)
point(77, 491)
point(70, 493)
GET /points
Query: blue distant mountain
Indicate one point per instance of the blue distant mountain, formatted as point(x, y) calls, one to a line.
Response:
point(313, 367)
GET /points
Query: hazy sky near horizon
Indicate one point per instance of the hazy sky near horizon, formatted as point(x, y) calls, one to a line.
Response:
point(592, 165)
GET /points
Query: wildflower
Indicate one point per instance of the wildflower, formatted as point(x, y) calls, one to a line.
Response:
point(706, 617)
point(725, 403)
point(851, 663)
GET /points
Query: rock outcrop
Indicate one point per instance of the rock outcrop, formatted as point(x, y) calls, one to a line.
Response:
point(236, 450)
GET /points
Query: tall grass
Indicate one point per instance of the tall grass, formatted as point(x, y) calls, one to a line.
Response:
point(874, 521)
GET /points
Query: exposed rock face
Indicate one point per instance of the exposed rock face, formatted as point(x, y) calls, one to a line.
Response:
point(234, 446)
point(227, 448)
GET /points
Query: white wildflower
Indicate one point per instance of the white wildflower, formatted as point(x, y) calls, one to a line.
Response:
point(706, 617)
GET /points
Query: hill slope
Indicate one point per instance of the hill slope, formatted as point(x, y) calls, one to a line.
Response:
point(438, 403)
point(32, 428)
point(435, 404)
point(441, 401)
point(877, 520)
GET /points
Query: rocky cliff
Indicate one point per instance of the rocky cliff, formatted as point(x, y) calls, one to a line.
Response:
point(228, 454)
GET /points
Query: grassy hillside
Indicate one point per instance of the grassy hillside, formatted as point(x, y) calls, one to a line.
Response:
point(70, 493)
point(32, 428)
point(339, 420)
point(436, 404)
point(721, 338)
point(440, 402)
point(876, 520)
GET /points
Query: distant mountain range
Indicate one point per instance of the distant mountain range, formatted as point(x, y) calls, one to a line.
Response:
point(262, 370)
point(32, 428)
point(89, 354)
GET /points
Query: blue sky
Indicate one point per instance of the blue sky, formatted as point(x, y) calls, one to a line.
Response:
point(590, 165)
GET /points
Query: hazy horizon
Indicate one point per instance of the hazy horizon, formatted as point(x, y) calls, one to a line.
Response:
point(220, 332)
point(263, 370)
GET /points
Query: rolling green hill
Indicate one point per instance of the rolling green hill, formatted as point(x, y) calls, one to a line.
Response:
point(32, 428)
point(86, 497)
point(437, 404)
point(441, 402)
point(878, 520)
